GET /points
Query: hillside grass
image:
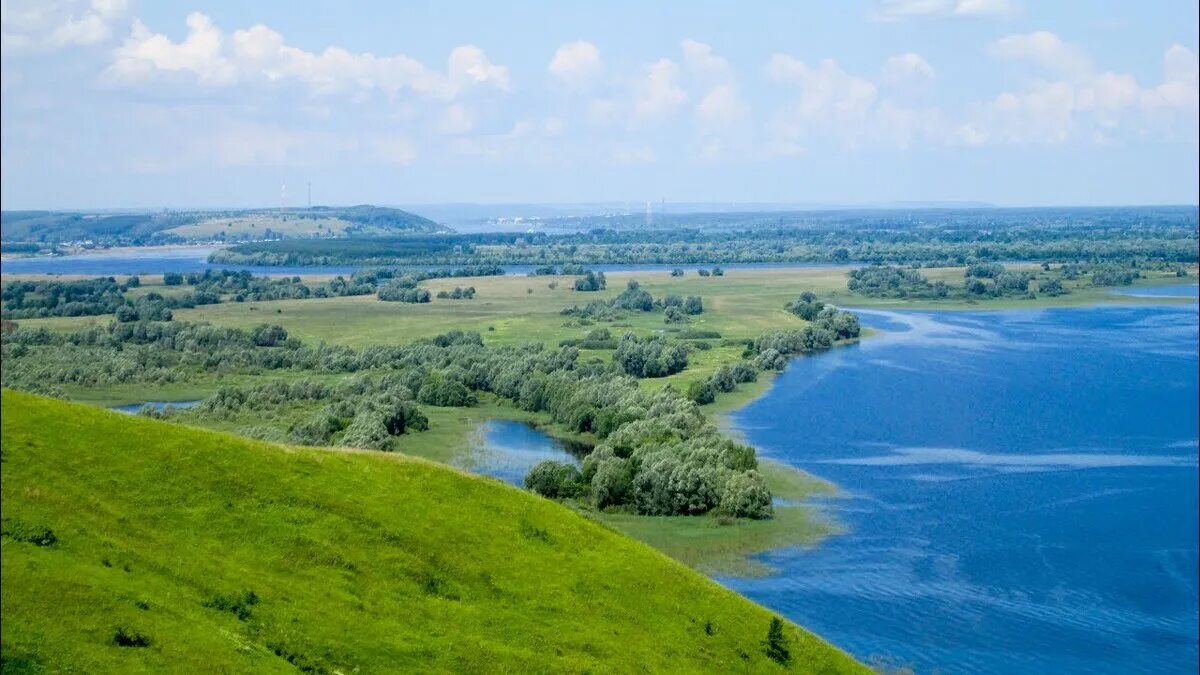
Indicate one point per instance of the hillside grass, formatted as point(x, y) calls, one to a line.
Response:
point(357, 562)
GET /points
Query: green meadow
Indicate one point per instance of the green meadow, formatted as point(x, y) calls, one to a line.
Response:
point(132, 545)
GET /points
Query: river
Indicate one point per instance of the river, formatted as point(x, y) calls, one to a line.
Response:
point(1019, 489)
point(188, 259)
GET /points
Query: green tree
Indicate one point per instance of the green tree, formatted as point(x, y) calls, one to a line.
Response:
point(776, 644)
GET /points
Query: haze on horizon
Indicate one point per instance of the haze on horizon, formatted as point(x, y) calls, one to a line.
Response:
point(116, 104)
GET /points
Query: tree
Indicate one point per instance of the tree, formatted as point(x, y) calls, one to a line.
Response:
point(776, 644)
point(592, 281)
point(747, 496)
point(693, 305)
point(555, 480)
point(172, 279)
point(701, 392)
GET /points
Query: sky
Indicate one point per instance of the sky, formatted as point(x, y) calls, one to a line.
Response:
point(166, 104)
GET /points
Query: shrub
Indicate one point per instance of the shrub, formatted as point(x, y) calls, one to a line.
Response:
point(651, 357)
point(701, 392)
point(368, 431)
point(747, 496)
point(612, 483)
point(555, 480)
point(442, 391)
point(592, 281)
point(776, 644)
point(238, 604)
point(675, 315)
point(127, 637)
point(38, 535)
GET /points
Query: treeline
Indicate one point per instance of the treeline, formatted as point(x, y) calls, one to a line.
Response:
point(932, 239)
point(993, 280)
point(92, 297)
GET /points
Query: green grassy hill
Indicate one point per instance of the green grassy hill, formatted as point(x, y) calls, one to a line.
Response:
point(134, 545)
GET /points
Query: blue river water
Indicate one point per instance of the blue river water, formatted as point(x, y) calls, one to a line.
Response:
point(1020, 490)
point(195, 259)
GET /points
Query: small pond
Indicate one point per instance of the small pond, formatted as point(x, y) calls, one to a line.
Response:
point(133, 408)
point(507, 450)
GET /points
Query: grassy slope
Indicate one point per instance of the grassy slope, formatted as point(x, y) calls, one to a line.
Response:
point(362, 562)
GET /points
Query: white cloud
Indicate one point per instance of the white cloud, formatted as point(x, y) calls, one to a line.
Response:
point(1046, 50)
point(898, 10)
point(720, 108)
point(54, 25)
point(907, 71)
point(395, 150)
point(704, 65)
point(577, 64)
point(632, 153)
point(1082, 103)
point(1179, 89)
point(836, 105)
point(657, 93)
point(824, 89)
point(260, 55)
point(455, 120)
point(469, 66)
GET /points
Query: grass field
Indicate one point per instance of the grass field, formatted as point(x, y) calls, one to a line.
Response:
point(131, 545)
point(255, 226)
point(741, 304)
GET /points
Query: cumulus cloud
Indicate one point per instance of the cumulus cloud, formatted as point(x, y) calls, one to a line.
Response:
point(907, 71)
point(1179, 89)
point(720, 108)
point(199, 54)
point(577, 65)
point(899, 10)
point(704, 65)
point(54, 25)
point(851, 109)
point(1076, 101)
point(259, 54)
point(657, 93)
point(1046, 50)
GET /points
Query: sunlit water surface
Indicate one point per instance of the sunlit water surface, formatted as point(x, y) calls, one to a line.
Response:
point(1020, 490)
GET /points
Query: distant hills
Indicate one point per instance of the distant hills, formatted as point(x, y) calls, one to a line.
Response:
point(166, 227)
point(133, 545)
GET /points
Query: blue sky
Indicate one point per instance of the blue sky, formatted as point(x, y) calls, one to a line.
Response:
point(109, 103)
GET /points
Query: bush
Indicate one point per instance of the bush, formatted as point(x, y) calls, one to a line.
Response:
point(368, 431)
point(651, 357)
point(612, 484)
point(400, 291)
point(38, 535)
point(592, 281)
point(776, 644)
point(441, 391)
point(238, 604)
point(747, 496)
point(127, 637)
point(674, 315)
point(701, 392)
point(555, 480)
